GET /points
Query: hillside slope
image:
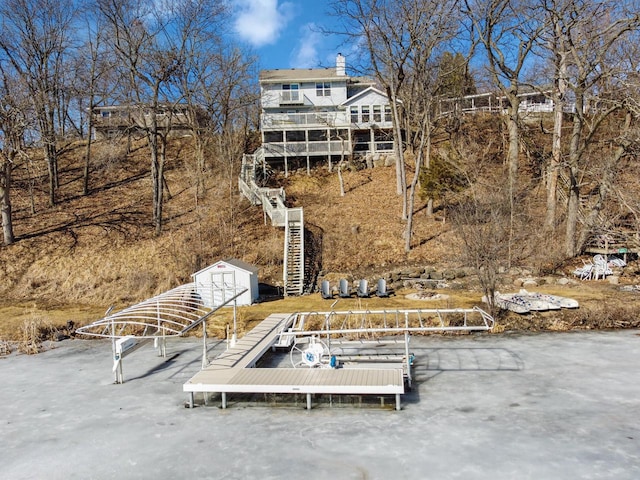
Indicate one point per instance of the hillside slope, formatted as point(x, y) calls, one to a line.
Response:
point(89, 252)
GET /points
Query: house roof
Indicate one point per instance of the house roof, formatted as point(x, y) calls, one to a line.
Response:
point(363, 93)
point(307, 75)
point(247, 267)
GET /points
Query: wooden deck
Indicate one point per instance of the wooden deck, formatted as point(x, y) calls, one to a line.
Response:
point(233, 372)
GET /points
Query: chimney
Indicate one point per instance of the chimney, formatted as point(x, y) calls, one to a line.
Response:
point(341, 65)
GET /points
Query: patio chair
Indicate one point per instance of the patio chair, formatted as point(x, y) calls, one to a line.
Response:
point(345, 291)
point(326, 290)
point(363, 289)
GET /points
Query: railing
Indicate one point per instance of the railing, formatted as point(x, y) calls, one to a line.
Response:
point(291, 96)
point(303, 148)
point(273, 205)
point(328, 119)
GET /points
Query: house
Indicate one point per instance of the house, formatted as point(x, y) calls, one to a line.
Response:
point(111, 121)
point(322, 113)
point(219, 282)
point(530, 102)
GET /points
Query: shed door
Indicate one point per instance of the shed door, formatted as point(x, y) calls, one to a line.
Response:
point(222, 287)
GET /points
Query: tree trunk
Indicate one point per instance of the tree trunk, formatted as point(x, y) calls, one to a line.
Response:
point(5, 201)
point(340, 164)
point(513, 153)
point(425, 138)
point(87, 157)
point(200, 165)
point(158, 186)
point(573, 204)
point(556, 143)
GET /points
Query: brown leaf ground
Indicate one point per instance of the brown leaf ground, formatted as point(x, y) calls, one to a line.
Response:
point(74, 260)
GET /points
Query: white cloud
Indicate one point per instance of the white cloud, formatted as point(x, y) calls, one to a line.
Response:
point(306, 53)
point(260, 22)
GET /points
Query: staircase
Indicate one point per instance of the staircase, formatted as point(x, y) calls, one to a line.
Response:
point(292, 219)
point(294, 252)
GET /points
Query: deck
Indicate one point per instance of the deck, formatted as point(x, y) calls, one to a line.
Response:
point(233, 372)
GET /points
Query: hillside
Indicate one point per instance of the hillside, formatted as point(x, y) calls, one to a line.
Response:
point(87, 253)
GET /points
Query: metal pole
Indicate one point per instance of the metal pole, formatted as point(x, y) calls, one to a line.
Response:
point(308, 401)
point(113, 348)
point(205, 360)
point(234, 336)
point(406, 354)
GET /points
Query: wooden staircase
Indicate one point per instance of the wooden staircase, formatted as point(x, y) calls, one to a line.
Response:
point(292, 219)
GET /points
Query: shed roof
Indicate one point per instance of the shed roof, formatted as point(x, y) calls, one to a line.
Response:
point(234, 262)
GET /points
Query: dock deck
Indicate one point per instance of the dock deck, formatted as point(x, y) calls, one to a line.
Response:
point(233, 372)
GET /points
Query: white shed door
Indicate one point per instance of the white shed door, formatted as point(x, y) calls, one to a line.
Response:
point(222, 287)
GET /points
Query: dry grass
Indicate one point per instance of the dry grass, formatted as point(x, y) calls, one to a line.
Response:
point(76, 259)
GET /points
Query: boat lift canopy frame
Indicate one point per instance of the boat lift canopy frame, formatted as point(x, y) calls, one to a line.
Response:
point(170, 314)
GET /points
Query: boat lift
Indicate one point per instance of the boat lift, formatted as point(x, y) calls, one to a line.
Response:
point(170, 314)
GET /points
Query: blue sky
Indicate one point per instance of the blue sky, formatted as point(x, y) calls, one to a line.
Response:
point(285, 33)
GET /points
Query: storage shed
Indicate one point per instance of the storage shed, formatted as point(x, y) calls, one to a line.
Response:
point(218, 283)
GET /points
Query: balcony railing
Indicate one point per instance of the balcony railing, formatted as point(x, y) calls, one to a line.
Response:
point(291, 97)
point(326, 119)
point(306, 148)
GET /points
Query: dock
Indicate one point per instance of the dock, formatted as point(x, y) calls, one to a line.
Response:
point(234, 371)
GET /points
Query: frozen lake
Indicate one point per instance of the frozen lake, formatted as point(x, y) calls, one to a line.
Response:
point(544, 406)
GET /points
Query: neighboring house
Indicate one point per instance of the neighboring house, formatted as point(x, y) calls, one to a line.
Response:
point(115, 120)
point(530, 102)
point(319, 113)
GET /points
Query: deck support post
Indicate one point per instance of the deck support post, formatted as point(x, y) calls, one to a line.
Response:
point(224, 399)
point(406, 355)
point(398, 401)
point(308, 401)
point(190, 399)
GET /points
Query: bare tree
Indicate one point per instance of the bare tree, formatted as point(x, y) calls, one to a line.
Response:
point(142, 38)
point(508, 30)
point(483, 224)
point(379, 27)
point(34, 39)
point(94, 82)
point(14, 108)
point(591, 74)
point(401, 40)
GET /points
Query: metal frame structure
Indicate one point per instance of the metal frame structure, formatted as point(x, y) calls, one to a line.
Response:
point(170, 314)
point(309, 335)
point(371, 323)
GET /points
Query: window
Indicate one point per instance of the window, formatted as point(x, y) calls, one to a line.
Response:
point(323, 89)
point(317, 135)
point(273, 137)
point(387, 113)
point(339, 134)
point(354, 114)
point(290, 92)
point(377, 113)
point(295, 136)
point(365, 113)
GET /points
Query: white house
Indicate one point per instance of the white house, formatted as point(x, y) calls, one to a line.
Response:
point(317, 113)
point(219, 282)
